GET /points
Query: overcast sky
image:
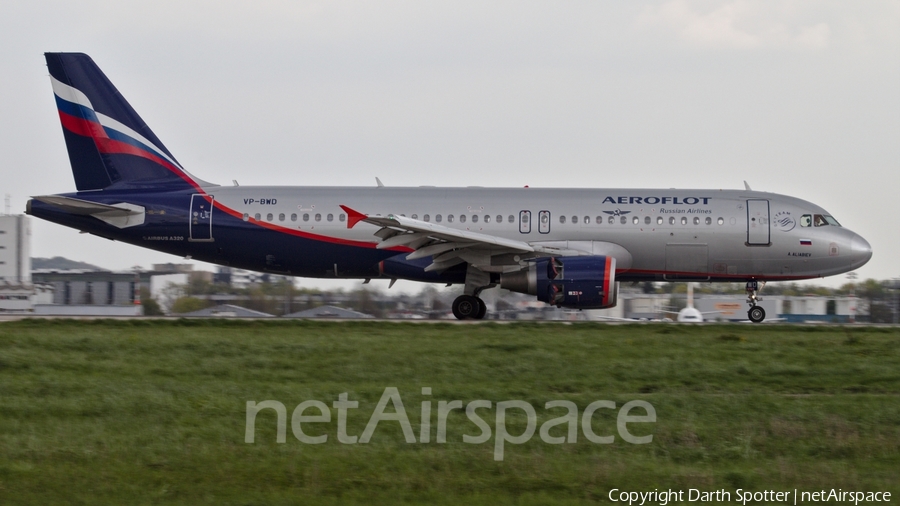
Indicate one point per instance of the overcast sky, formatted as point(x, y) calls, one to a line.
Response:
point(796, 97)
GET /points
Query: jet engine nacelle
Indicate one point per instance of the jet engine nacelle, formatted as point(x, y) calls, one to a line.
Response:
point(587, 282)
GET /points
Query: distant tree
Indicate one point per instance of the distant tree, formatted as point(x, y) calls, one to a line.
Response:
point(149, 304)
point(189, 304)
point(363, 300)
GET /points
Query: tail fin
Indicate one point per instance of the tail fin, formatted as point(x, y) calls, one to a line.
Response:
point(109, 144)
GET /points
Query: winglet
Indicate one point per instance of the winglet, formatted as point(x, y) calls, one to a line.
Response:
point(353, 216)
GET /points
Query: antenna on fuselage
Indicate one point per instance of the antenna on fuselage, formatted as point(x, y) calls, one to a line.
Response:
point(747, 186)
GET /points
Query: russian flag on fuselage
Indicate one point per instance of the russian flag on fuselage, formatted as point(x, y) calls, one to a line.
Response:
point(108, 142)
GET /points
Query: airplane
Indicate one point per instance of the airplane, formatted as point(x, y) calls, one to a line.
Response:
point(689, 313)
point(568, 247)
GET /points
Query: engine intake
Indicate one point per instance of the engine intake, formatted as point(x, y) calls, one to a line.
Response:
point(587, 282)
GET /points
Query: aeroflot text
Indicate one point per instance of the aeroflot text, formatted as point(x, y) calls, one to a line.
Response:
point(688, 201)
point(501, 436)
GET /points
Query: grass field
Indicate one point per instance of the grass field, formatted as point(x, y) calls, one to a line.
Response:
point(154, 412)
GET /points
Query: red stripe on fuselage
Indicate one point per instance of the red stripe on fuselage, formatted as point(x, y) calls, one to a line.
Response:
point(299, 233)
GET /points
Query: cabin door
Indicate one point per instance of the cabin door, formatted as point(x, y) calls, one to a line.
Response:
point(758, 222)
point(201, 218)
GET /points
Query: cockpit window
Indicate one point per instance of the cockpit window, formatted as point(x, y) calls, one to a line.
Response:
point(818, 220)
point(823, 220)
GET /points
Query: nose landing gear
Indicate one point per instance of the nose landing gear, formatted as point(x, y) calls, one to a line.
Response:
point(756, 313)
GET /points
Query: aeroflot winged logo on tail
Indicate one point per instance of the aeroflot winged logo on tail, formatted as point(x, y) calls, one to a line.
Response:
point(108, 142)
point(79, 117)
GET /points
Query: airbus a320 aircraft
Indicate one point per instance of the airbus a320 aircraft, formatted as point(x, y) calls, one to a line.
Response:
point(567, 247)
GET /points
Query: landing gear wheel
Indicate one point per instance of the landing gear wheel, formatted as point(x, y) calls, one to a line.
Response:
point(467, 306)
point(756, 314)
point(482, 309)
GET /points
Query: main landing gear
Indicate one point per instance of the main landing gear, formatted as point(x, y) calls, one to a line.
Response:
point(756, 313)
point(468, 306)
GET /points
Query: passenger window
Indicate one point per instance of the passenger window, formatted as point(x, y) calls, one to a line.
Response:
point(256, 217)
point(708, 220)
point(487, 218)
point(341, 217)
point(294, 216)
point(599, 220)
point(449, 218)
point(587, 220)
point(474, 218)
point(427, 217)
point(696, 220)
point(611, 220)
point(671, 220)
point(805, 220)
point(281, 217)
point(462, 218)
point(562, 219)
point(646, 220)
point(721, 220)
point(659, 220)
point(635, 220)
point(499, 218)
point(269, 217)
point(305, 216)
point(330, 217)
point(574, 220)
point(318, 217)
point(624, 220)
point(415, 216)
point(246, 216)
point(512, 219)
point(437, 218)
point(684, 220)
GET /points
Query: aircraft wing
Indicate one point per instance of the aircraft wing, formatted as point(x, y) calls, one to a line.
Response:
point(448, 246)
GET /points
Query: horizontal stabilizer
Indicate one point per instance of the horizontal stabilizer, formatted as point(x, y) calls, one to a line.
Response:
point(121, 215)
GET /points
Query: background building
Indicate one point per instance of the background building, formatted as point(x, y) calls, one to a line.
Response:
point(17, 293)
point(15, 250)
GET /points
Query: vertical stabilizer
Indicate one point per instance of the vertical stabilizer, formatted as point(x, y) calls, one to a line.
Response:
point(108, 143)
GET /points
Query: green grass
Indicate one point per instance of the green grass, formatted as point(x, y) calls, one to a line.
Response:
point(153, 412)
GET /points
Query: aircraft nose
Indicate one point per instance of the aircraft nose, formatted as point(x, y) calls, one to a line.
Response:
point(860, 250)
